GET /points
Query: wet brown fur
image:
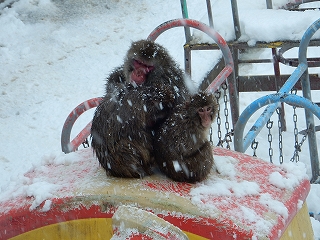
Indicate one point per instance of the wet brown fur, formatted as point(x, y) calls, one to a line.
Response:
point(124, 123)
point(182, 150)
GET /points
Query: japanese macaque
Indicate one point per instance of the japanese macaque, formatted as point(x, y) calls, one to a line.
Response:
point(139, 97)
point(182, 149)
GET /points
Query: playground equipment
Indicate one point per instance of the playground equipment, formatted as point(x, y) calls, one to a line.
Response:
point(232, 87)
point(94, 206)
point(301, 72)
point(276, 82)
point(236, 204)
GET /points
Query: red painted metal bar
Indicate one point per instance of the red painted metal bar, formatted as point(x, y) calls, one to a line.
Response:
point(66, 145)
point(210, 32)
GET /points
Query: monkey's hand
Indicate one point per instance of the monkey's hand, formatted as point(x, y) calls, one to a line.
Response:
point(159, 100)
point(161, 96)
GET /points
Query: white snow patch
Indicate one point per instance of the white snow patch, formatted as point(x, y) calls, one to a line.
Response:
point(294, 173)
point(176, 166)
point(40, 191)
point(225, 165)
point(274, 205)
point(47, 205)
point(34, 105)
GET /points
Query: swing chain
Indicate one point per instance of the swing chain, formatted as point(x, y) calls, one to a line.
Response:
point(228, 134)
point(269, 126)
point(254, 146)
point(297, 146)
point(85, 143)
point(227, 139)
point(218, 95)
point(280, 135)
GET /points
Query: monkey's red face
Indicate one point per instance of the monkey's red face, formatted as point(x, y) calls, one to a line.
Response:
point(205, 114)
point(140, 72)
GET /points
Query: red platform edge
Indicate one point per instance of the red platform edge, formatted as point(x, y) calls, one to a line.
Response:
point(20, 219)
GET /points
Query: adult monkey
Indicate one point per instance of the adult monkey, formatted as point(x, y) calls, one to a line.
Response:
point(140, 95)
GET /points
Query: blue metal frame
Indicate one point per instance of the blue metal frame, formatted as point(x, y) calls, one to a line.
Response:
point(301, 72)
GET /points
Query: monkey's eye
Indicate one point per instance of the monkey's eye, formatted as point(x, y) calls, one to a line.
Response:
point(204, 109)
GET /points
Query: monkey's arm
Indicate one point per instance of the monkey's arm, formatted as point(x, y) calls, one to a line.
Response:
point(115, 81)
point(159, 102)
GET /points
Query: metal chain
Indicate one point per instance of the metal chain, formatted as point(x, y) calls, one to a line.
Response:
point(227, 138)
point(295, 132)
point(85, 143)
point(280, 135)
point(297, 146)
point(254, 146)
point(218, 95)
point(228, 135)
point(269, 126)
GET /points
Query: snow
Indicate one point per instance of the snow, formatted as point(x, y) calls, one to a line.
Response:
point(56, 54)
point(227, 187)
point(295, 174)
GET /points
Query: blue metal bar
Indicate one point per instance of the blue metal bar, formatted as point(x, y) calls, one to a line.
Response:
point(306, 39)
point(274, 100)
point(241, 144)
point(305, 82)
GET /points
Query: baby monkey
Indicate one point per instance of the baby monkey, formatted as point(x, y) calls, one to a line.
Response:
point(182, 149)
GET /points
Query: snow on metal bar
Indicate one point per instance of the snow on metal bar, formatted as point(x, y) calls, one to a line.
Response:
point(210, 32)
point(306, 39)
point(66, 145)
point(294, 3)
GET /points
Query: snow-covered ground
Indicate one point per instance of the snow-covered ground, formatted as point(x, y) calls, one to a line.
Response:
point(56, 54)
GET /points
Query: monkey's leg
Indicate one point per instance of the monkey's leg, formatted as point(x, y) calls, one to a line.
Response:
point(200, 164)
point(191, 168)
point(131, 159)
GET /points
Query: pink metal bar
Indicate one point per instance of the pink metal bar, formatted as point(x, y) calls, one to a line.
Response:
point(66, 145)
point(222, 76)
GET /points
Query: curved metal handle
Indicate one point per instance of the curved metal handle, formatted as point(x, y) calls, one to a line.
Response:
point(211, 33)
point(66, 145)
